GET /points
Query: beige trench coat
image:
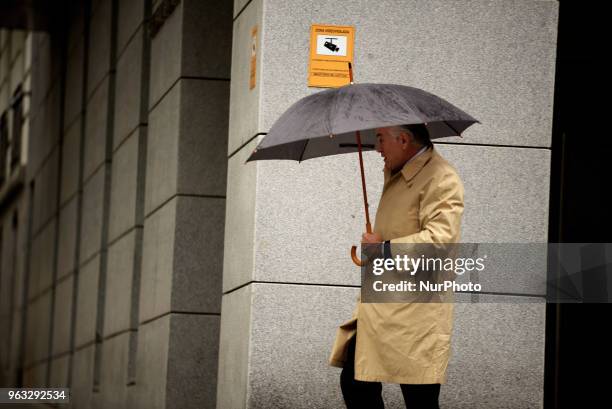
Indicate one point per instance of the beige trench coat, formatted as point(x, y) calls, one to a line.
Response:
point(408, 342)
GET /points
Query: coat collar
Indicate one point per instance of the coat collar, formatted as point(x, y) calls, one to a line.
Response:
point(413, 167)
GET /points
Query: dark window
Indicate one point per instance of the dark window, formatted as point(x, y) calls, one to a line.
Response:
point(3, 145)
point(17, 125)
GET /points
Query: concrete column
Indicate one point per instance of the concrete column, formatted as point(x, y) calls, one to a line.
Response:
point(95, 182)
point(288, 281)
point(184, 205)
point(125, 242)
point(70, 202)
point(38, 271)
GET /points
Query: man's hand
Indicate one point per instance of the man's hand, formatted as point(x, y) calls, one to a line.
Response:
point(371, 238)
point(371, 245)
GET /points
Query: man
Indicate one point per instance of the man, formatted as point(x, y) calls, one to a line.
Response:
point(404, 343)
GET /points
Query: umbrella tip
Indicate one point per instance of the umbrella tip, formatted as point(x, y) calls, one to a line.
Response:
point(331, 135)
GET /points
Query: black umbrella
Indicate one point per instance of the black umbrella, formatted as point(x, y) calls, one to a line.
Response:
point(331, 122)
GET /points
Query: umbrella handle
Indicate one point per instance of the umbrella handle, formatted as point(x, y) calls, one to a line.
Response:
point(356, 259)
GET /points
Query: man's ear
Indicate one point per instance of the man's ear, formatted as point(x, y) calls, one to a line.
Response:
point(406, 138)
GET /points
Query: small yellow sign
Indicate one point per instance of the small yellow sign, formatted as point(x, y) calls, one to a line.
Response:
point(331, 49)
point(253, 59)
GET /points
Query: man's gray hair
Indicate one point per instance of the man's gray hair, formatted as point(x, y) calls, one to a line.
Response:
point(418, 131)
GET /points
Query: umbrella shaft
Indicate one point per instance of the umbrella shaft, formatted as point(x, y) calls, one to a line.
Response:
point(363, 184)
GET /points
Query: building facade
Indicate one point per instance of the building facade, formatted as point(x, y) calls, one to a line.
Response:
point(145, 265)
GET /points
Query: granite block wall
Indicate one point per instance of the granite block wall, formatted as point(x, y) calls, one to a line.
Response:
point(289, 226)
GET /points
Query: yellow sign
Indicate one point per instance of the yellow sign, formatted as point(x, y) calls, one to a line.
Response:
point(331, 49)
point(252, 73)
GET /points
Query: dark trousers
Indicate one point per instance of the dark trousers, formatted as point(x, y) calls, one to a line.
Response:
point(360, 394)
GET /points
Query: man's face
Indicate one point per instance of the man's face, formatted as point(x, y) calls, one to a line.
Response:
point(392, 149)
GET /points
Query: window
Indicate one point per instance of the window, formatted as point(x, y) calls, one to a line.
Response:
point(3, 145)
point(17, 125)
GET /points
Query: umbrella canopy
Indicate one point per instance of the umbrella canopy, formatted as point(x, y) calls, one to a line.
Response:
point(324, 123)
point(332, 122)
